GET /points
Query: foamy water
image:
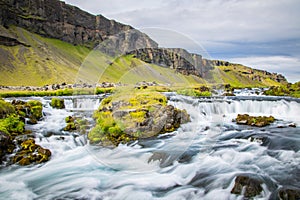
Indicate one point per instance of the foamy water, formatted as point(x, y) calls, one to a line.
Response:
point(198, 161)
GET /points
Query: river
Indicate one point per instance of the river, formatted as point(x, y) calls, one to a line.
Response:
point(200, 160)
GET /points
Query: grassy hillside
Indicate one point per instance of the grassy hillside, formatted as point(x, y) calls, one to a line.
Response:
point(239, 76)
point(44, 61)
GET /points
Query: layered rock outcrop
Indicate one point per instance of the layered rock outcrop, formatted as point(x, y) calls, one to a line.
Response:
point(55, 19)
point(178, 59)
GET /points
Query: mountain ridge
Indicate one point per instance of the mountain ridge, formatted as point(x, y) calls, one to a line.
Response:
point(47, 60)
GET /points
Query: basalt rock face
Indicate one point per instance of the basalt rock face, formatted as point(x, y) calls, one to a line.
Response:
point(126, 41)
point(193, 64)
point(55, 19)
point(178, 59)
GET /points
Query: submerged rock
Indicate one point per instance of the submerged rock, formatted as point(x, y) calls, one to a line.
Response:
point(121, 119)
point(259, 121)
point(247, 186)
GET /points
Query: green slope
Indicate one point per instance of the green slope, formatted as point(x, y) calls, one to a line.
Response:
point(47, 61)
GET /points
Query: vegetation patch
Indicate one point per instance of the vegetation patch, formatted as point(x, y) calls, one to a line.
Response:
point(285, 90)
point(202, 91)
point(60, 92)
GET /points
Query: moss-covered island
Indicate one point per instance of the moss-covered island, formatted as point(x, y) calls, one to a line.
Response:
point(130, 115)
point(258, 121)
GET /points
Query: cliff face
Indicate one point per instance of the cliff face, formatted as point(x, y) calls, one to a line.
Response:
point(192, 64)
point(55, 19)
point(175, 58)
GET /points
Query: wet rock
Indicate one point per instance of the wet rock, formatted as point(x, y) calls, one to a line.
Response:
point(247, 186)
point(289, 194)
point(31, 153)
point(259, 121)
point(5, 142)
point(292, 125)
point(76, 124)
point(32, 110)
point(57, 103)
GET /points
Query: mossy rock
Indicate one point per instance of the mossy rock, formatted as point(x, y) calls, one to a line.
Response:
point(31, 153)
point(71, 126)
point(142, 114)
point(12, 125)
point(6, 109)
point(36, 109)
point(33, 110)
point(57, 103)
point(258, 121)
point(76, 124)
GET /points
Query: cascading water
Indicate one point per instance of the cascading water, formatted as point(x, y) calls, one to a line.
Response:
point(198, 161)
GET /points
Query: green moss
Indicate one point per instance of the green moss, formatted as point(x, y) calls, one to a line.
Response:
point(194, 93)
point(6, 109)
point(71, 126)
point(285, 90)
point(258, 121)
point(36, 108)
point(57, 103)
point(12, 125)
point(138, 116)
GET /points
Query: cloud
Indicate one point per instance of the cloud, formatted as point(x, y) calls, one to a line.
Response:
point(288, 66)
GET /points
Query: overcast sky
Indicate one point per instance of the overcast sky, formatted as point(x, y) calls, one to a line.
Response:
point(262, 34)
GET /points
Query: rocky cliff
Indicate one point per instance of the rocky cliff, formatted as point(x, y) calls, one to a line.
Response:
point(193, 64)
point(55, 19)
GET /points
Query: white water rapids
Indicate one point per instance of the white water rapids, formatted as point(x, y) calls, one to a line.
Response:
point(198, 161)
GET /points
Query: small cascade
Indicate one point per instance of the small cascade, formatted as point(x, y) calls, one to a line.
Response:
point(216, 108)
point(82, 104)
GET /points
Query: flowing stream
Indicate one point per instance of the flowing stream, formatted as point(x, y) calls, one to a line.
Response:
point(198, 161)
